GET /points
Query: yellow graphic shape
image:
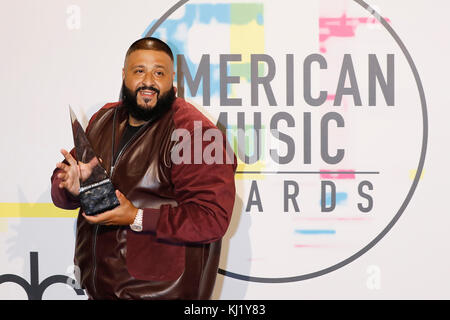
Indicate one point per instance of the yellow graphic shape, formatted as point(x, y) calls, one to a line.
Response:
point(247, 39)
point(243, 167)
point(34, 210)
point(412, 174)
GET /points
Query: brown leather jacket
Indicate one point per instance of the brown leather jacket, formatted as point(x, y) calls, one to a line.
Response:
point(187, 210)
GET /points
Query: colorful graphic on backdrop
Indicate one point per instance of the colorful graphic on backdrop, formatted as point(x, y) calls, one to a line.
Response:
point(318, 171)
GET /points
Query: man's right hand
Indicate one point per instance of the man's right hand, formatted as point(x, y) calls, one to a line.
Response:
point(73, 172)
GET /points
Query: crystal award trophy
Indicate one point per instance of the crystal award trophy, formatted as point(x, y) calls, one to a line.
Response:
point(97, 193)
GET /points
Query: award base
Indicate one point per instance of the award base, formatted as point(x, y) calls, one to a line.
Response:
point(98, 197)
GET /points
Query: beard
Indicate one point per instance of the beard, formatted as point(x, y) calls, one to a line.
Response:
point(129, 100)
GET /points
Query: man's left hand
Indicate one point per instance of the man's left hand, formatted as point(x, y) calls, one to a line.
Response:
point(122, 215)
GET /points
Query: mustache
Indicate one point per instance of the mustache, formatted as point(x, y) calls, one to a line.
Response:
point(150, 88)
point(164, 103)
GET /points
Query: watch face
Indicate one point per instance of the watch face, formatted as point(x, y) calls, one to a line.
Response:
point(136, 228)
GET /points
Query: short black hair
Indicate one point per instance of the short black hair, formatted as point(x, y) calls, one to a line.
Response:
point(150, 43)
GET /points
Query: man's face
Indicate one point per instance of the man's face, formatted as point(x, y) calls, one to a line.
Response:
point(149, 74)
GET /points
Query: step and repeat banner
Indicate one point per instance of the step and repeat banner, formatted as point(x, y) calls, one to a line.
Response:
point(335, 109)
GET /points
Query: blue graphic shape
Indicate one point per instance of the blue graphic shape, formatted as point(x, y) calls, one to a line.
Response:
point(194, 13)
point(341, 198)
point(315, 231)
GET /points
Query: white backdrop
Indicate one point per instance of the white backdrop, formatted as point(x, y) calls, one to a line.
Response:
point(280, 244)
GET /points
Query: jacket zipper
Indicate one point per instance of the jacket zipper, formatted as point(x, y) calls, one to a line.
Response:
point(94, 245)
point(123, 149)
point(113, 165)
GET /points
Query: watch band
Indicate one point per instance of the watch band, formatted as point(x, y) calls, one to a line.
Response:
point(137, 223)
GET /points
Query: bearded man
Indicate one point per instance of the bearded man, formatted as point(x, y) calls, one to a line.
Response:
point(163, 241)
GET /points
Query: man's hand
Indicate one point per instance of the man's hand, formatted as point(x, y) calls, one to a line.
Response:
point(122, 215)
point(73, 172)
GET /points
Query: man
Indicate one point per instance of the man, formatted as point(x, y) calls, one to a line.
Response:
point(163, 240)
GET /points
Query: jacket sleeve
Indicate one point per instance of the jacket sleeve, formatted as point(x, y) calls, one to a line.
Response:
point(205, 194)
